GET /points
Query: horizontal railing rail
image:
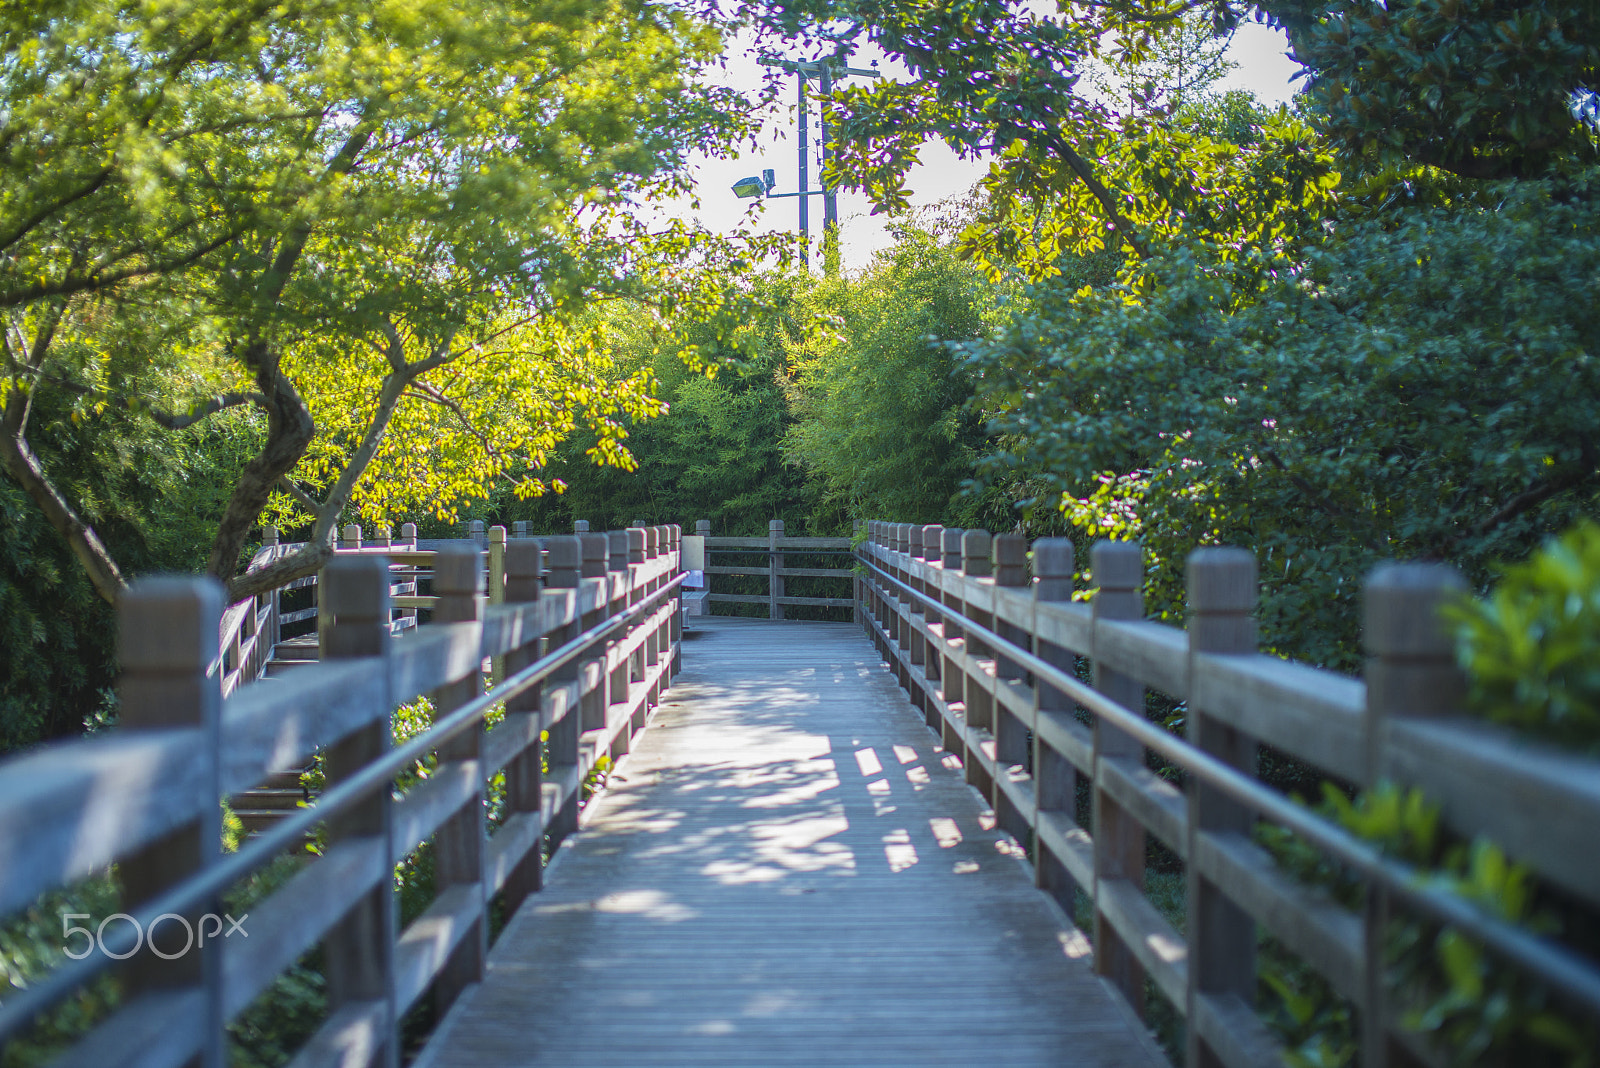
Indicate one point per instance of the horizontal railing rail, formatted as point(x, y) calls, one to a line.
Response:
point(776, 570)
point(584, 632)
point(992, 655)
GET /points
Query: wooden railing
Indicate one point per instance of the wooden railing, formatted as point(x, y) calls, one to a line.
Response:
point(990, 653)
point(584, 632)
point(776, 548)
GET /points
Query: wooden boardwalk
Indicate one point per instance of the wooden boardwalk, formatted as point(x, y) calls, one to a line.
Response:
point(786, 872)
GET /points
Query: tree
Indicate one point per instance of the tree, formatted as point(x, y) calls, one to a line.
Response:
point(716, 453)
point(1327, 341)
point(295, 210)
point(1480, 88)
point(883, 423)
point(1421, 389)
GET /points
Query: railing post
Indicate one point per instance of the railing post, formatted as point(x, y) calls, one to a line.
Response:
point(619, 685)
point(638, 554)
point(519, 528)
point(933, 649)
point(857, 530)
point(408, 536)
point(351, 539)
point(888, 598)
point(566, 573)
point(359, 950)
point(497, 565)
point(617, 550)
point(1119, 837)
point(905, 635)
point(496, 586)
point(654, 549)
point(1055, 780)
point(675, 632)
point(274, 631)
point(385, 537)
point(476, 532)
point(167, 641)
point(1222, 937)
point(459, 844)
point(1010, 734)
point(774, 568)
point(916, 642)
point(950, 675)
point(977, 561)
point(580, 526)
point(596, 551)
point(1410, 672)
point(524, 773)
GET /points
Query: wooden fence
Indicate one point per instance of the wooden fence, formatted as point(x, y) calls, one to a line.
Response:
point(776, 548)
point(990, 652)
point(584, 631)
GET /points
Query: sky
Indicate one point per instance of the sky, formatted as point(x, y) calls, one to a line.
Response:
point(1263, 69)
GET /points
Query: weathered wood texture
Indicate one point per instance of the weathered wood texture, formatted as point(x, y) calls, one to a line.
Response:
point(148, 795)
point(1401, 723)
point(775, 545)
point(785, 871)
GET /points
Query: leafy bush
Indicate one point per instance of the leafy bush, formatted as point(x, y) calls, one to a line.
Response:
point(1531, 649)
point(31, 948)
point(1472, 1009)
point(1415, 384)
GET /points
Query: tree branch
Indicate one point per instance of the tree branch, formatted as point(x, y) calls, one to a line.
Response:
point(1318, 497)
point(1576, 475)
point(304, 499)
point(171, 420)
point(307, 560)
point(1086, 175)
point(95, 280)
point(290, 429)
point(434, 396)
point(1121, 10)
point(23, 465)
point(210, 406)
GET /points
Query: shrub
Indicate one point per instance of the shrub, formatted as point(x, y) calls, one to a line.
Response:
point(1531, 649)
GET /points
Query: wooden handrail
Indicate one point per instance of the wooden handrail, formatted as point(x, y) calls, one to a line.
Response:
point(572, 645)
point(774, 546)
point(989, 656)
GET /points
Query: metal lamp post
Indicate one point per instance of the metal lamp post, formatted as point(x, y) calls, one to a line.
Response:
point(824, 72)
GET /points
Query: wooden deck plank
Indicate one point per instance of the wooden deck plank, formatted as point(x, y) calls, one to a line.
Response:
point(785, 871)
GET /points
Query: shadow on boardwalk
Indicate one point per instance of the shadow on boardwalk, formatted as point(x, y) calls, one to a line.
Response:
point(786, 872)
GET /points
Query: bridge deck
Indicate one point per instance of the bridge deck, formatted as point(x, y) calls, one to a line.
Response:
point(784, 873)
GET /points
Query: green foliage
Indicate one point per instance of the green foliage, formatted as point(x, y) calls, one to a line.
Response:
point(268, 1032)
point(31, 947)
point(717, 454)
point(382, 235)
point(1483, 88)
point(1531, 648)
point(1321, 421)
point(1233, 116)
point(1471, 1008)
point(883, 424)
point(154, 497)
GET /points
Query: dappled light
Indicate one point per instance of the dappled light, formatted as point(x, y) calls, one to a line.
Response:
point(786, 858)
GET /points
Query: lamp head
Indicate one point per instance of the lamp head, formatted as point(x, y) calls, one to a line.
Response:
point(749, 188)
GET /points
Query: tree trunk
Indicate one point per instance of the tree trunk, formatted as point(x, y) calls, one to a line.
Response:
point(20, 463)
point(290, 429)
point(307, 560)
